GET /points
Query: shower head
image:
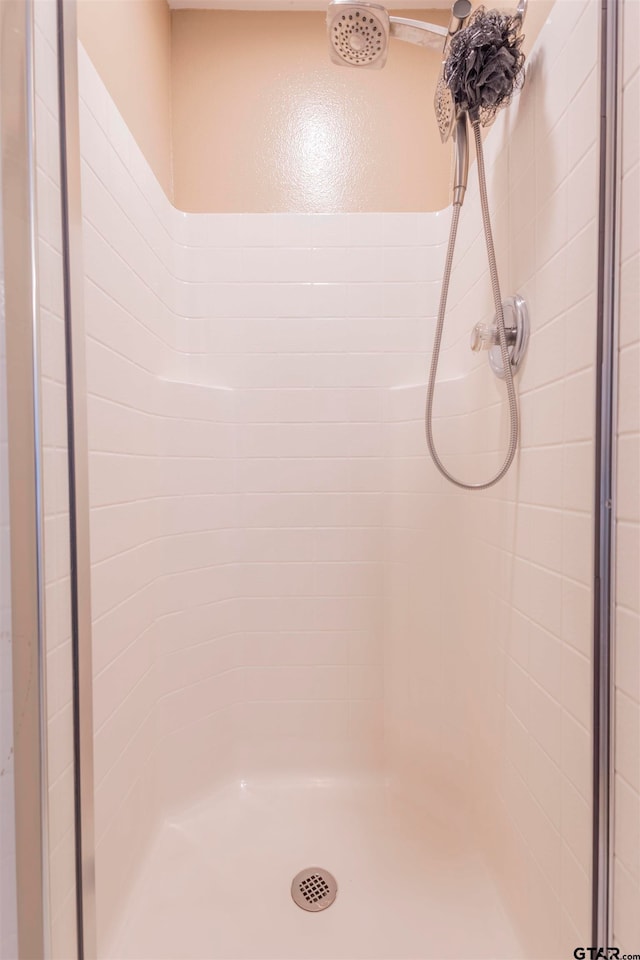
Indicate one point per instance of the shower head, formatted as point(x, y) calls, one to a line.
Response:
point(358, 34)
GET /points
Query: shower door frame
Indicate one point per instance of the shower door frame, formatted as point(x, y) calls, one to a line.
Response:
point(610, 133)
point(78, 466)
point(25, 439)
point(18, 197)
point(27, 607)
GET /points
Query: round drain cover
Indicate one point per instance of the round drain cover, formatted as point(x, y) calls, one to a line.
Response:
point(314, 889)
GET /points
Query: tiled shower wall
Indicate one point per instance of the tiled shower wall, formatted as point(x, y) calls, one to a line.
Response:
point(124, 356)
point(626, 883)
point(236, 374)
point(265, 523)
point(301, 335)
point(488, 660)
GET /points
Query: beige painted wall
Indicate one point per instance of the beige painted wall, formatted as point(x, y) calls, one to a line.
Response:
point(263, 121)
point(243, 111)
point(129, 42)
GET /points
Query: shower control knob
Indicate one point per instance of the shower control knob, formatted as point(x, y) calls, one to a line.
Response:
point(483, 336)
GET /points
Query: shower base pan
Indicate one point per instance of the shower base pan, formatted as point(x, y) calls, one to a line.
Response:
point(217, 881)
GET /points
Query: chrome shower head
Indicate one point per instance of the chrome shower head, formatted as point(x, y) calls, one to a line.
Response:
point(358, 34)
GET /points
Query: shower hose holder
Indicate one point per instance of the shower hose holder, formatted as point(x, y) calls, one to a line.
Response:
point(484, 336)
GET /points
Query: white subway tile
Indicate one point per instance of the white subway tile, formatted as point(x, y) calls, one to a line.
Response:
point(264, 538)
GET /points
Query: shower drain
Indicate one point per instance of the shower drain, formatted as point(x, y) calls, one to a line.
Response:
point(314, 889)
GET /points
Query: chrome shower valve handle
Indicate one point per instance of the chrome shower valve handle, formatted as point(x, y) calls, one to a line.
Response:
point(482, 337)
point(486, 336)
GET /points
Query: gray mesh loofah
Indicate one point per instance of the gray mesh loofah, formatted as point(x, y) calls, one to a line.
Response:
point(485, 64)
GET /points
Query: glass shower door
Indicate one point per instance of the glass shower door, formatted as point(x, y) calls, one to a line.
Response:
point(38, 846)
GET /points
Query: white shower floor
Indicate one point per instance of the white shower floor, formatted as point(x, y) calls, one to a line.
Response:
point(216, 883)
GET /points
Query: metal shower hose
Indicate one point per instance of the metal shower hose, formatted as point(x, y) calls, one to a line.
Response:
point(497, 300)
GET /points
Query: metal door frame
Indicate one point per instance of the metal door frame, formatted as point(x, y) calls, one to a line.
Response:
point(17, 140)
point(20, 227)
point(17, 137)
point(605, 468)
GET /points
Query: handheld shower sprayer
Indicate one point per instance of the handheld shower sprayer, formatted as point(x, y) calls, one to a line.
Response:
point(359, 35)
point(482, 66)
point(461, 163)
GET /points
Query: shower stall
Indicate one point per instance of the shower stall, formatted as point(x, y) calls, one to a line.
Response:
point(279, 688)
